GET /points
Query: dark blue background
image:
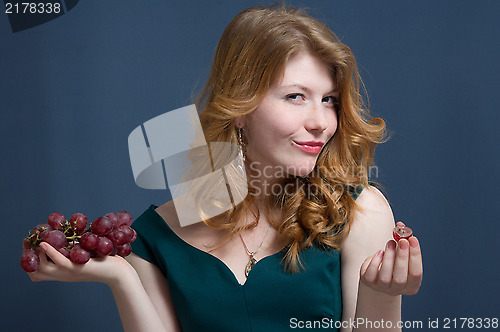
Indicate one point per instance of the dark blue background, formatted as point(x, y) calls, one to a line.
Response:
point(71, 91)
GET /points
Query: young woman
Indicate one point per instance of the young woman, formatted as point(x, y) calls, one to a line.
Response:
point(311, 245)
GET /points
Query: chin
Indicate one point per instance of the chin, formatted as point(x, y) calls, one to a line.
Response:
point(302, 169)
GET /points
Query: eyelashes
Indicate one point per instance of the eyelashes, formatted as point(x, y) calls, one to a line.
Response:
point(334, 100)
point(294, 96)
point(297, 97)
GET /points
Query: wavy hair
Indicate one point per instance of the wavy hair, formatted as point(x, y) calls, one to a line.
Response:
point(252, 53)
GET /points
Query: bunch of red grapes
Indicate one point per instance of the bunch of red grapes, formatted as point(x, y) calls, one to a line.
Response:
point(108, 235)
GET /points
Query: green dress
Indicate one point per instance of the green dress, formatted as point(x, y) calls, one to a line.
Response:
point(208, 297)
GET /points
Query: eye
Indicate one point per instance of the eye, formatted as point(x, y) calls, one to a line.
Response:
point(331, 100)
point(295, 97)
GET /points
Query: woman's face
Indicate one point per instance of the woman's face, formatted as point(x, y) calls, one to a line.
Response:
point(294, 120)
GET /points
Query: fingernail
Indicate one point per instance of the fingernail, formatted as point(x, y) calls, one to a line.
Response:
point(391, 245)
point(413, 242)
point(43, 245)
point(403, 245)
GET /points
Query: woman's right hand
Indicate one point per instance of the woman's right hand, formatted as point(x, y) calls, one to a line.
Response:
point(106, 269)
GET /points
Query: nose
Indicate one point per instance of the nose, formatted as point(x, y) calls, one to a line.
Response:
point(317, 119)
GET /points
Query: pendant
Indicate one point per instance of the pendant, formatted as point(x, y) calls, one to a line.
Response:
point(251, 263)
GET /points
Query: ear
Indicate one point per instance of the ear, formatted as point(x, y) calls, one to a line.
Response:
point(239, 121)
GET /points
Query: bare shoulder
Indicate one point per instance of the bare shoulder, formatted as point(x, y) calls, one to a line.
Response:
point(374, 210)
point(372, 224)
point(167, 212)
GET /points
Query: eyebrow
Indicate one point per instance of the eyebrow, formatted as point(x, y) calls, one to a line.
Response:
point(306, 89)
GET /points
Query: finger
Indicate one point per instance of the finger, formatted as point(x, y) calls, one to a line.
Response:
point(400, 276)
point(415, 267)
point(45, 268)
point(370, 271)
point(55, 255)
point(34, 276)
point(44, 260)
point(365, 264)
point(385, 275)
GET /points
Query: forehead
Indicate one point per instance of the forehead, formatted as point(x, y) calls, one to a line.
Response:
point(307, 70)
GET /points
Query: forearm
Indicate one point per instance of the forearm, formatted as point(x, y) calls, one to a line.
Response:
point(137, 312)
point(376, 311)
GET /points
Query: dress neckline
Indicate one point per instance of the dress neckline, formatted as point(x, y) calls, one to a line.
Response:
point(228, 270)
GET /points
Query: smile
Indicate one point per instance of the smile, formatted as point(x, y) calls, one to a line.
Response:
point(309, 147)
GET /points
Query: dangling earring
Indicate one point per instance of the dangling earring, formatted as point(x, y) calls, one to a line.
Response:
point(241, 145)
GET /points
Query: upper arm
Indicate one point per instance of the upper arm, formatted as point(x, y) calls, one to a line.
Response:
point(370, 230)
point(156, 286)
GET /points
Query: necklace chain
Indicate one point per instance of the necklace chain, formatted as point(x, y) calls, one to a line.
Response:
point(252, 260)
point(250, 253)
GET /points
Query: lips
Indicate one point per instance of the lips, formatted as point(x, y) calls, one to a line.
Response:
point(310, 143)
point(309, 146)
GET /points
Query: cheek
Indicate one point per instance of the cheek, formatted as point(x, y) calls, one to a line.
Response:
point(276, 132)
point(286, 121)
point(286, 126)
point(274, 121)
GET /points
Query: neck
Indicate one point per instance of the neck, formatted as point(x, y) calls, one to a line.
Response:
point(264, 180)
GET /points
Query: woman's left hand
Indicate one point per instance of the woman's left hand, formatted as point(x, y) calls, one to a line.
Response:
point(397, 270)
